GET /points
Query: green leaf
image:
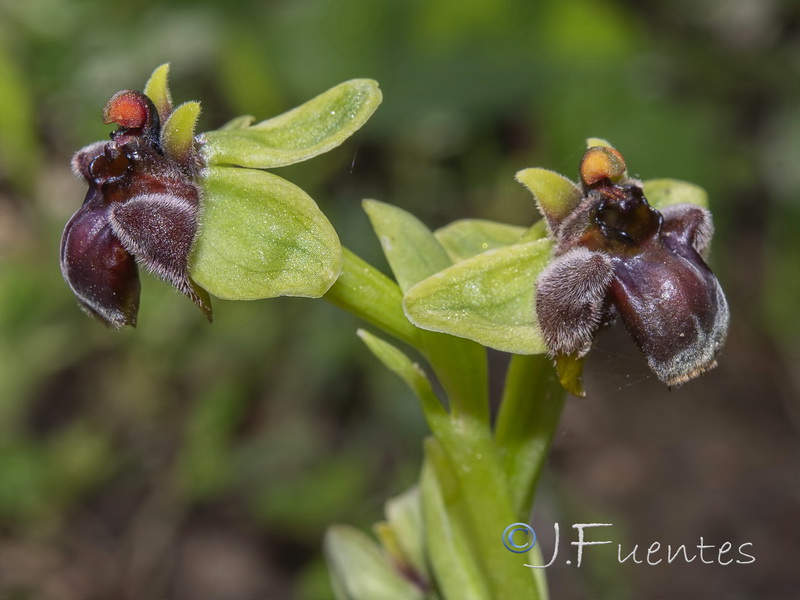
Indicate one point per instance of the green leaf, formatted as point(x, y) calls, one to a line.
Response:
point(360, 571)
point(262, 237)
point(488, 298)
point(411, 249)
point(555, 195)
point(467, 237)
point(308, 130)
point(665, 192)
point(412, 375)
point(157, 89)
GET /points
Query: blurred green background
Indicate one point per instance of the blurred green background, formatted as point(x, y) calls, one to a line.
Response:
point(189, 461)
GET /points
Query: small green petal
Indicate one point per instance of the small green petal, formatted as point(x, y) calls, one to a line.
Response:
point(556, 196)
point(157, 89)
point(411, 249)
point(241, 122)
point(360, 571)
point(595, 141)
point(262, 237)
point(465, 238)
point(665, 192)
point(177, 135)
point(488, 298)
point(308, 130)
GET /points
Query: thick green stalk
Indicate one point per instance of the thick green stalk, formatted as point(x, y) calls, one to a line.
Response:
point(529, 413)
point(474, 461)
point(367, 293)
point(460, 366)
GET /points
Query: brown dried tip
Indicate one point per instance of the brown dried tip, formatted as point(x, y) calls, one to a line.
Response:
point(601, 162)
point(128, 109)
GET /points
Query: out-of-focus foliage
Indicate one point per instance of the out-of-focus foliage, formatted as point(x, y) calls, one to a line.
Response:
point(130, 462)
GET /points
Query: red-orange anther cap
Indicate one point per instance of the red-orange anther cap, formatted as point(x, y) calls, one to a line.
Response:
point(601, 162)
point(127, 108)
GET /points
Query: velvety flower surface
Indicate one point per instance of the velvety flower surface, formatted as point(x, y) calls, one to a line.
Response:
point(141, 207)
point(615, 255)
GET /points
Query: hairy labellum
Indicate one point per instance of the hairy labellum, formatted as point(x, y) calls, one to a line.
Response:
point(142, 207)
point(616, 255)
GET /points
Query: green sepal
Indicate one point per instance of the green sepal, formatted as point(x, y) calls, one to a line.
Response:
point(177, 133)
point(665, 192)
point(308, 130)
point(488, 298)
point(157, 89)
point(468, 237)
point(262, 237)
point(555, 195)
point(411, 249)
point(360, 570)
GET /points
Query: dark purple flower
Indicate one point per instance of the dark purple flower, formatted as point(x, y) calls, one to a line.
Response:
point(614, 254)
point(142, 207)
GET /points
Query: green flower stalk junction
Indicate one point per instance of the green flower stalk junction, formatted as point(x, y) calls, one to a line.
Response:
point(203, 213)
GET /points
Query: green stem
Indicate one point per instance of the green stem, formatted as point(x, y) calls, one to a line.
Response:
point(460, 366)
point(529, 413)
point(368, 294)
point(485, 495)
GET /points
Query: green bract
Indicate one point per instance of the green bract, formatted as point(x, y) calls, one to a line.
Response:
point(403, 533)
point(361, 570)
point(308, 130)
point(411, 249)
point(465, 238)
point(262, 237)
